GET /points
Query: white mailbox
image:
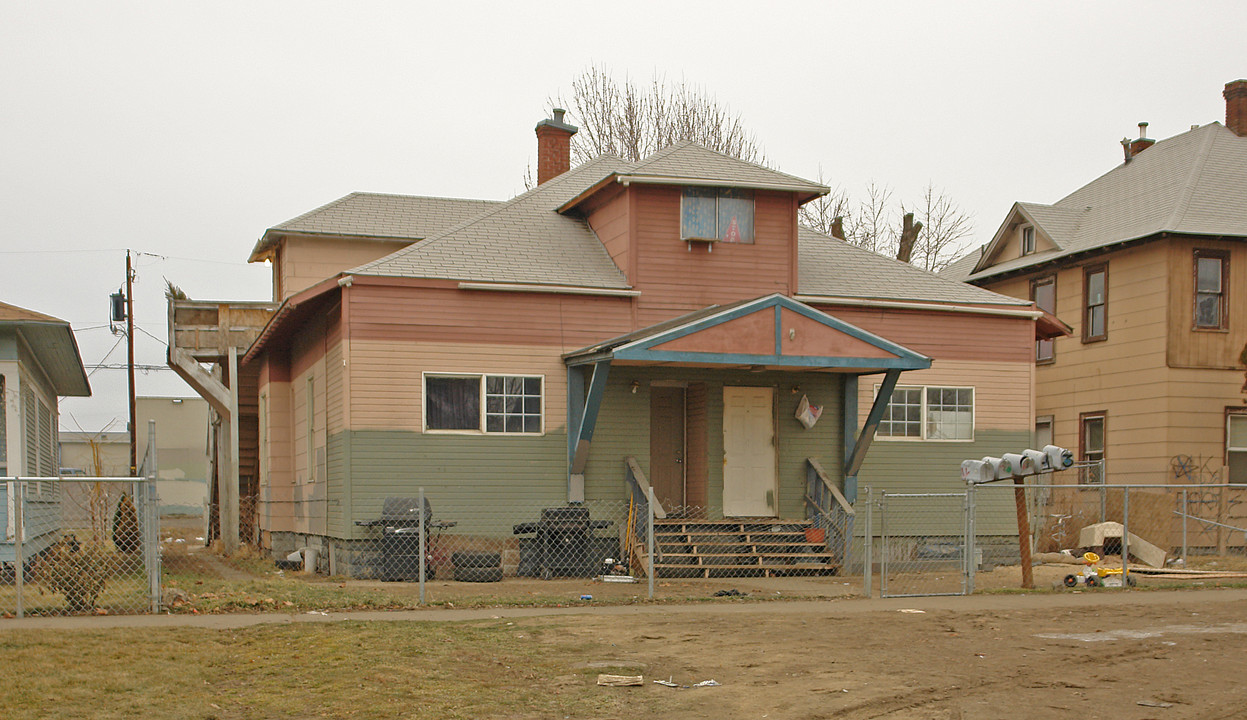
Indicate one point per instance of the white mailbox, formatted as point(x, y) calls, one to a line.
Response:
point(1038, 460)
point(1020, 464)
point(975, 472)
point(1058, 457)
point(1002, 469)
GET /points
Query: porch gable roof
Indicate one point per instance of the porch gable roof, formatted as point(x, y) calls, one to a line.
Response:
point(771, 331)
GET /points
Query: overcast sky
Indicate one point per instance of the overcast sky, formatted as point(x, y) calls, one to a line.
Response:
point(183, 130)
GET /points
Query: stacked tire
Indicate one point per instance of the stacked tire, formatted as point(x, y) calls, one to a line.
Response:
point(477, 566)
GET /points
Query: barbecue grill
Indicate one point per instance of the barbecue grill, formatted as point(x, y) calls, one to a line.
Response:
point(400, 538)
point(563, 544)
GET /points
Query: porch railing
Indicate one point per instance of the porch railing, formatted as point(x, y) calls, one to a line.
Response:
point(638, 527)
point(828, 510)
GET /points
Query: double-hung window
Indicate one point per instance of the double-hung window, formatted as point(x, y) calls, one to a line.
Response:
point(928, 413)
point(717, 215)
point(1236, 446)
point(1043, 294)
point(1092, 446)
point(1028, 240)
point(1095, 297)
point(1211, 273)
point(493, 404)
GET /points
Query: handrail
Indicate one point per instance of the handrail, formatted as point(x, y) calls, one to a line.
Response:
point(638, 478)
point(845, 507)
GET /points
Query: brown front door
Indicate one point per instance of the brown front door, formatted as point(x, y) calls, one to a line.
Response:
point(666, 445)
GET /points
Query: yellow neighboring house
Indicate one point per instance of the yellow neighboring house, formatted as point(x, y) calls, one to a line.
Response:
point(1148, 263)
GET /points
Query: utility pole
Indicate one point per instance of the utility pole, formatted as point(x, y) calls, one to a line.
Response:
point(134, 448)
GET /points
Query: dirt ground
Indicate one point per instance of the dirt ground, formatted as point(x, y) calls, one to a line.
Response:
point(1127, 656)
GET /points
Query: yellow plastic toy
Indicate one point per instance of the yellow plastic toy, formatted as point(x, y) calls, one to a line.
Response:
point(1093, 575)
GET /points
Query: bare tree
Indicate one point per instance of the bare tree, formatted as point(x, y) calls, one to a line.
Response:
point(633, 121)
point(873, 224)
point(945, 228)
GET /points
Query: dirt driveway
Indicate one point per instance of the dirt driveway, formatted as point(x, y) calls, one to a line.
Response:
point(1178, 655)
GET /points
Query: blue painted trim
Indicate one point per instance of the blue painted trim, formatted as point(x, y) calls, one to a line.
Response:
point(639, 349)
point(911, 363)
point(699, 325)
point(779, 330)
point(575, 409)
point(848, 401)
point(850, 330)
point(593, 403)
point(867, 435)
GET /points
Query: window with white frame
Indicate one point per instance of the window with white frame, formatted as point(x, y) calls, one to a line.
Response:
point(494, 404)
point(928, 413)
point(1236, 446)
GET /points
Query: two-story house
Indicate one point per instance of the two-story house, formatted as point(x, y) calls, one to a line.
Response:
point(670, 312)
point(1149, 264)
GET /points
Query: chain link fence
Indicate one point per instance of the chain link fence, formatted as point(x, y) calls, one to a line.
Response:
point(1039, 534)
point(79, 546)
point(432, 535)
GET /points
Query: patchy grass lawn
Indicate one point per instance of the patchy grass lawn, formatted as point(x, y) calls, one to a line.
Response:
point(348, 669)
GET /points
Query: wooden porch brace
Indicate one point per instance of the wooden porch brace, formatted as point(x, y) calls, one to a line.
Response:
point(582, 418)
point(853, 460)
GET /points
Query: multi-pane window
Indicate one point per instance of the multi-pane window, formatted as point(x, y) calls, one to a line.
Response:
point(1210, 281)
point(1092, 446)
point(1095, 295)
point(903, 416)
point(929, 413)
point(483, 403)
point(717, 215)
point(1043, 294)
point(512, 404)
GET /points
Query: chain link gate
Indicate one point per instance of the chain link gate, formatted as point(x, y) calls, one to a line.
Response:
point(924, 541)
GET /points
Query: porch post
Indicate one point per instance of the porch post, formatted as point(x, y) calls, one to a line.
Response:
point(849, 403)
point(854, 462)
point(580, 434)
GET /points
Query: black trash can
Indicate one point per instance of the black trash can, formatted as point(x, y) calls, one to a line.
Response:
point(400, 538)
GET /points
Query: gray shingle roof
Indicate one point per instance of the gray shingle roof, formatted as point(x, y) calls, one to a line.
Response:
point(523, 240)
point(1193, 183)
point(689, 161)
point(376, 215)
point(827, 266)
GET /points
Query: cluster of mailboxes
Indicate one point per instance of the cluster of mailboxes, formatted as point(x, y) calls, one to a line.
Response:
point(1015, 465)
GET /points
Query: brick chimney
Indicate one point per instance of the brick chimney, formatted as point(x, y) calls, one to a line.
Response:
point(1143, 143)
point(554, 147)
point(1235, 94)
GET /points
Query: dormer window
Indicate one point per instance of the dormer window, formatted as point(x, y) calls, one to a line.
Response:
point(716, 215)
point(1028, 240)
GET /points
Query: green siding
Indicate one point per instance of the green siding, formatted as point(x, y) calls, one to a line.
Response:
point(467, 478)
point(623, 430)
point(931, 467)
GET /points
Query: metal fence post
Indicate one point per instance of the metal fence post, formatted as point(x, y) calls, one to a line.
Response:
point(868, 548)
point(649, 538)
point(1184, 555)
point(19, 506)
point(971, 540)
point(883, 543)
point(151, 518)
point(422, 548)
point(1125, 537)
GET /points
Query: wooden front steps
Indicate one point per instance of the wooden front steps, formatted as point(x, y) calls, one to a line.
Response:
point(745, 547)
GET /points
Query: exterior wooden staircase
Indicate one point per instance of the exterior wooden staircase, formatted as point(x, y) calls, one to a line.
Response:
point(742, 547)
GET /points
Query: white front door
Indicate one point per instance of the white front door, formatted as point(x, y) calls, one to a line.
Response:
point(749, 487)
